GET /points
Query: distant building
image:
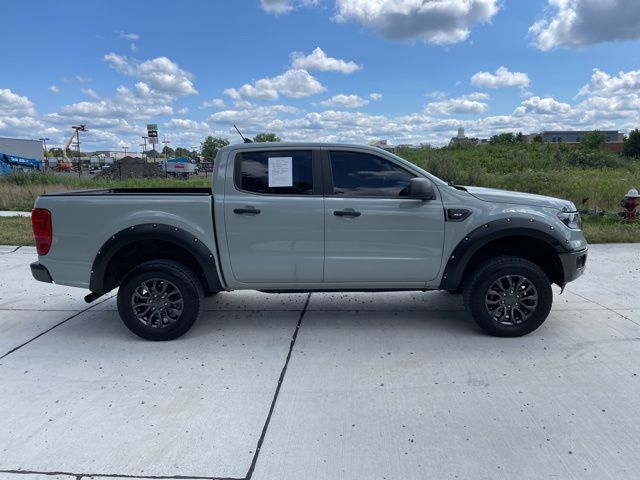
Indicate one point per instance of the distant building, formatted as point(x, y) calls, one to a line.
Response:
point(114, 154)
point(462, 139)
point(383, 144)
point(613, 139)
point(22, 148)
point(576, 136)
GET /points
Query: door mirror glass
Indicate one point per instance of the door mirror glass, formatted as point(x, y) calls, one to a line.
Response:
point(421, 188)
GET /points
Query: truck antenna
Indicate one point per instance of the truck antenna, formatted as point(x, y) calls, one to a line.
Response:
point(245, 140)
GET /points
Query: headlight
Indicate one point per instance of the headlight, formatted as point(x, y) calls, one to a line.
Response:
point(571, 220)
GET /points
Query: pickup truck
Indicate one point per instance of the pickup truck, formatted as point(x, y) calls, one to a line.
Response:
point(310, 217)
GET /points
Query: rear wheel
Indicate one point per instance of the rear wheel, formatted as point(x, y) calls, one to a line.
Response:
point(160, 300)
point(509, 296)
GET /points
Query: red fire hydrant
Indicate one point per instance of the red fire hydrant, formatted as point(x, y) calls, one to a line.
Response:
point(629, 203)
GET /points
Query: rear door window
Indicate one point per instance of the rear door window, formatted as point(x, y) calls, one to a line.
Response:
point(287, 172)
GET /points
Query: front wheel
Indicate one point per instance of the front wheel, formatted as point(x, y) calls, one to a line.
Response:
point(160, 300)
point(509, 296)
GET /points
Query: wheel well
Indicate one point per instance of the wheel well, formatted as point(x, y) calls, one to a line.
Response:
point(136, 253)
point(535, 250)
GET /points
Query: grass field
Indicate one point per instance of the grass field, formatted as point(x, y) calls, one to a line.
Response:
point(16, 231)
point(18, 192)
point(594, 180)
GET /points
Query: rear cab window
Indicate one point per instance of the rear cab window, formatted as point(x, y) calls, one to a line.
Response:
point(273, 172)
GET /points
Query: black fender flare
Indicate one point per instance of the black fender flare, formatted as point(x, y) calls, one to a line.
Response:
point(153, 231)
point(495, 230)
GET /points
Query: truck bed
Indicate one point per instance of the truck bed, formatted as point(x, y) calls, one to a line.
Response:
point(135, 191)
point(82, 221)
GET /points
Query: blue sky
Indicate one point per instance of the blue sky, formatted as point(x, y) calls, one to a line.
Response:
point(409, 71)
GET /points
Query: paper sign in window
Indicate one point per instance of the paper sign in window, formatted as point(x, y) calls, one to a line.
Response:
point(280, 172)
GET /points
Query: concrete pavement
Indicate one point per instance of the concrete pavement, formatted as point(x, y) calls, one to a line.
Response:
point(349, 386)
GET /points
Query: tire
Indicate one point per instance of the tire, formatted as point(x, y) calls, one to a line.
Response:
point(148, 293)
point(493, 300)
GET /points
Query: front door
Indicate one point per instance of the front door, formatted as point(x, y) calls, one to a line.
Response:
point(373, 232)
point(274, 217)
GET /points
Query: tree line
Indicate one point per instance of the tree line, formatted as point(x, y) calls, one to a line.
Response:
point(208, 149)
point(591, 141)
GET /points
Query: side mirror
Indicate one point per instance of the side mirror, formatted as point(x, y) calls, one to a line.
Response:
point(421, 188)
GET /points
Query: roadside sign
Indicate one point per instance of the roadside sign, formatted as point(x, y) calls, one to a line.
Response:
point(152, 133)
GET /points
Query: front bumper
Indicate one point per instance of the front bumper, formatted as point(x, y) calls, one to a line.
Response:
point(40, 272)
point(573, 265)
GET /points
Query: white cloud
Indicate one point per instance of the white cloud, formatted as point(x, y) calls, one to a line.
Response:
point(183, 110)
point(279, 7)
point(611, 97)
point(159, 73)
point(347, 101)
point(134, 47)
point(53, 89)
point(318, 60)
point(187, 124)
point(21, 126)
point(255, 117)
point(579, 23)
point(473, 103)
point(90, 92)
point(433, 21)
point(375, 96)
point(603, 84)
point(128, 36)
point(82, 79)
point(276, 6)
point(501, 78)
point(139, 103)
point(14, 104)
point(294, 83)
point(18, 115)
point(214, 102)
point(542, 106)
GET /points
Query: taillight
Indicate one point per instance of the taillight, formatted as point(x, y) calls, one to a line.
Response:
point(41, 224)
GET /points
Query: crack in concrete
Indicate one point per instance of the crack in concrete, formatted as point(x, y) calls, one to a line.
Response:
point(51, 328)
point(80, 476)
point(609, 309)
point(277, 392)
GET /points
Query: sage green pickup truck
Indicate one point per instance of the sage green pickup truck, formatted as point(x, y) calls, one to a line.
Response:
point(310, 217)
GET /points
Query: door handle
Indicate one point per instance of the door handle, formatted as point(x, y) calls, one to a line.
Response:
point(246, 211)
point(346, 213)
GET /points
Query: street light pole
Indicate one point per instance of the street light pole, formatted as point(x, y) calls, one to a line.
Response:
point(46, 161)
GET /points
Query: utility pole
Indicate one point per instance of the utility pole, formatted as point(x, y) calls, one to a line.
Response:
point(144, 148)
point(124, 147)
point(46, 160)
point(166, 152)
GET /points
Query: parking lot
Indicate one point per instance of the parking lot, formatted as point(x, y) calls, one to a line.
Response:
point(321, 386)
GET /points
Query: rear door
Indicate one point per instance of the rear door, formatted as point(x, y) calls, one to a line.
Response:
point(374, 232)
point(274, 217)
